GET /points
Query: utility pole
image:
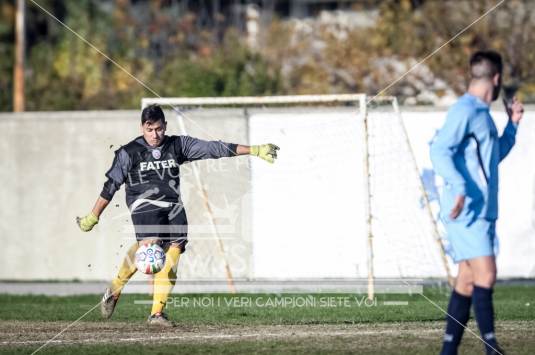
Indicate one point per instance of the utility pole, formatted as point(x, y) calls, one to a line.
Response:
point(18, 73)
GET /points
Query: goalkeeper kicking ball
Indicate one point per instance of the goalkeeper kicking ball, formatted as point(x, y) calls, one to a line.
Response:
point(150, 258)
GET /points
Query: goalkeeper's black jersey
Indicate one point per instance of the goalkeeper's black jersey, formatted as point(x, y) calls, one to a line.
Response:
point(153, 173)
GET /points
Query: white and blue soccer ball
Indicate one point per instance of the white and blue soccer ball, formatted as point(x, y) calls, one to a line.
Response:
point(150, 258)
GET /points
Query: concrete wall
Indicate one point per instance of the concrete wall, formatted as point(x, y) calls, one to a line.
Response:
point(53, 166)
point(309, 206)
point(53, 169)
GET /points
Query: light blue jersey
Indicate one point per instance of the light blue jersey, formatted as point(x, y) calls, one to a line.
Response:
point(466, 153)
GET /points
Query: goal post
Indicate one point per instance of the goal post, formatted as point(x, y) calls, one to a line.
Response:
point(402, 230)
point(354, 155)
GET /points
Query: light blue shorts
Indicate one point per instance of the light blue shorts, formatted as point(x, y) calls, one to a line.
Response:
point(471, 239)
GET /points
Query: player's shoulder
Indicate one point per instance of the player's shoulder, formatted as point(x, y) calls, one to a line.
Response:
point(464, 108)
point(131, 147)
point(177, 139)
point(173, 138)
point(171, 141)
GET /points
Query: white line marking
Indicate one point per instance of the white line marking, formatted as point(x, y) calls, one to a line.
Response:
point(67, 327)
point(395, 303)
point(286, 333)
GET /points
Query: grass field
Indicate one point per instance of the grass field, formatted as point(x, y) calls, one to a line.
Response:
point(259, 323)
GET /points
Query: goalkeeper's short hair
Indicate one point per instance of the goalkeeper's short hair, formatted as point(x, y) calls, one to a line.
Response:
point(152, 114)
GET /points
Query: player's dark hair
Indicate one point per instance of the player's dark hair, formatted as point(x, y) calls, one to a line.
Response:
point(485, 64)
point(152, 114)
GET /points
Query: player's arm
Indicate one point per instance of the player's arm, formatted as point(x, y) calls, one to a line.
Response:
point(195, 149)
point(443, 148)
point(116, 177)
point(87, 222)
point(507, 140)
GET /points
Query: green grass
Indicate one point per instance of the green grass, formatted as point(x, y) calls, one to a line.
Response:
point(243, 347)
point(511, 303)
point(514, 308)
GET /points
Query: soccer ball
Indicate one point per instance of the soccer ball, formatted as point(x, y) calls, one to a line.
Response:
point(150, 258)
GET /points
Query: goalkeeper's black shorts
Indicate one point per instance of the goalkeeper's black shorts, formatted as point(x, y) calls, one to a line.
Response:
point(162, 220)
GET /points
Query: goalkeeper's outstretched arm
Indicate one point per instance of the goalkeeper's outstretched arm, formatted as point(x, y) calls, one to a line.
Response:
point(192, 149)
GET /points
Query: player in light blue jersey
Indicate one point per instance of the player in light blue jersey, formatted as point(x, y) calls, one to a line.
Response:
point(466, 153)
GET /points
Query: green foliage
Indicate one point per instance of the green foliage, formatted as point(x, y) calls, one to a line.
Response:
point(509, 29)
point(164, 47)
point(7, 37)
point(231, 71)
point(334, 58)
point(164, 53)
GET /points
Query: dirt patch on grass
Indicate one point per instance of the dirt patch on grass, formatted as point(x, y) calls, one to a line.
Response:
point(21, 333)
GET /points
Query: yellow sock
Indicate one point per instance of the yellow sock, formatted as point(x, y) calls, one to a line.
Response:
point(127, 269)
point(165, 280)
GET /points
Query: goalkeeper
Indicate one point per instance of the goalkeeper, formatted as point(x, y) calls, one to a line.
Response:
point(149, 166)
point(466, 153)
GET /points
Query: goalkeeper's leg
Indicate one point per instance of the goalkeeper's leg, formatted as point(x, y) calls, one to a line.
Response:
point(126, 271)
point(164, 281)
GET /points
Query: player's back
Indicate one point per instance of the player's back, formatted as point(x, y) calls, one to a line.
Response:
point(464, 154)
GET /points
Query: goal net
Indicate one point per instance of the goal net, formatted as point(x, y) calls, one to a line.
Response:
point(344, 200)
